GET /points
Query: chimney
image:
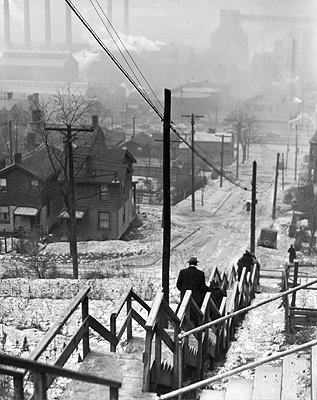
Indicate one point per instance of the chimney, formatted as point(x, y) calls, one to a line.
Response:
point(48, 35)
point(18, 158)
point(27, 25)
point(2, 163)
point(68, 28)
point(9, 95)
point(6, 24)
point(126, 17)
point(36, 98)
point(95, 121)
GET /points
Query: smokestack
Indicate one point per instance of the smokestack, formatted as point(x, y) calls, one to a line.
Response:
point(126, 17)
point(48, 36)
point(6, 24)
point(27, 25)
point(109, 11)
point(68, 28)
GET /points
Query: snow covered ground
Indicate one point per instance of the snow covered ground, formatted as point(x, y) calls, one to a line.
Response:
point(217, 232)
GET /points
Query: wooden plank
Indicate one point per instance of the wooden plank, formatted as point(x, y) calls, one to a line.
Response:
point(239, 389)
point(313, 372)
point(295, 368)
point(267, 383)
point(208, 394)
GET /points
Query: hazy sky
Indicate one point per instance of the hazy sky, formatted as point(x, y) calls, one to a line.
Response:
point(188, 22)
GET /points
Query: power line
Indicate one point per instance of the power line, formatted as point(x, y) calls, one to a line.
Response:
point(146, 97)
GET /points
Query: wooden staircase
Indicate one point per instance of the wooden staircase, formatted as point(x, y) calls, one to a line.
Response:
point(290, 380)
point(123, 367)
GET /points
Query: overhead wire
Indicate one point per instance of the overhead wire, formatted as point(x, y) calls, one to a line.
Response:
point(227, 175)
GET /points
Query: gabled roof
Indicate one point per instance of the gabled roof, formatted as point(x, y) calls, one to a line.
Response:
point(36, 163)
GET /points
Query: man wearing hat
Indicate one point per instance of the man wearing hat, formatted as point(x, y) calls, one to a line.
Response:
point(192, 279)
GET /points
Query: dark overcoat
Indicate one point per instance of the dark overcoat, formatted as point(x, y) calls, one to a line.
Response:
point(193, 279)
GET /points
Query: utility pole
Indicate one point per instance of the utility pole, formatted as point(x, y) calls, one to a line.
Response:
point(253, 208)
point(295, 177)
point(166, 196)
point(238, 142)
point(221, 156)
point(275, 186)
point(221, 159)
point(71, 199)
point(192, 117)
point(283, 171)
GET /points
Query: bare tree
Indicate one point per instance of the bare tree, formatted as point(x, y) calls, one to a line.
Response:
point(244, 125)
point(65, 130)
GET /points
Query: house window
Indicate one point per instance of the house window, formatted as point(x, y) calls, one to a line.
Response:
point(4, 214)
point(123, 186)
point(104, 192)
point(3, 185)
point(34, 184)
point(104, 220)
point(123, 215)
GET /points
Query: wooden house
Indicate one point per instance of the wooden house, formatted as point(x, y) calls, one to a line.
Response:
point(105, 194)
point(312, 160)
point(29, 196)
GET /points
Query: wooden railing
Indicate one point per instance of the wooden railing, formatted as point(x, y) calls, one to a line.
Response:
point(42, 371)
point(82, 334)
point(226, 318)
point(294, 315)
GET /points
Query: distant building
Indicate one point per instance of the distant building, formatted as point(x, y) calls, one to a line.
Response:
point(312, 161)
point(209, 145)
point(229, 42)
point(27, 65)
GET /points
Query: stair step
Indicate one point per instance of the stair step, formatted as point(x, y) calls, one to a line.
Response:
point(295, 369)
point(267, 383)
point(122, 367)
point(239, 389)
point(208, 394)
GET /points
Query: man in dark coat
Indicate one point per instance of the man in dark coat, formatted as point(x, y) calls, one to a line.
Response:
point(292, 253)
point(192, 279)
point(247, 260)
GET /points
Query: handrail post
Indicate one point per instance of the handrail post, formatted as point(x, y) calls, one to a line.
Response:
point(114, 393)
point(129, 327)
point(18, 388)
point(113, 329)
point(39, 386)
point(295, 283)
point(85, 313)
point(180, 365)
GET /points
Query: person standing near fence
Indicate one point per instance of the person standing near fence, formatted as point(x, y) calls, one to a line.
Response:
point(292, 254)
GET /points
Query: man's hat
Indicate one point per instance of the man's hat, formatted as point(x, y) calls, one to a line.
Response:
point(192, 260)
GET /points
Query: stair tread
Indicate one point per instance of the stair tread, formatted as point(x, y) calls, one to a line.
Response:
point(295, 368)
point(239, 389)
point(117, 366)
point(267, 383)
point(208, 394)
